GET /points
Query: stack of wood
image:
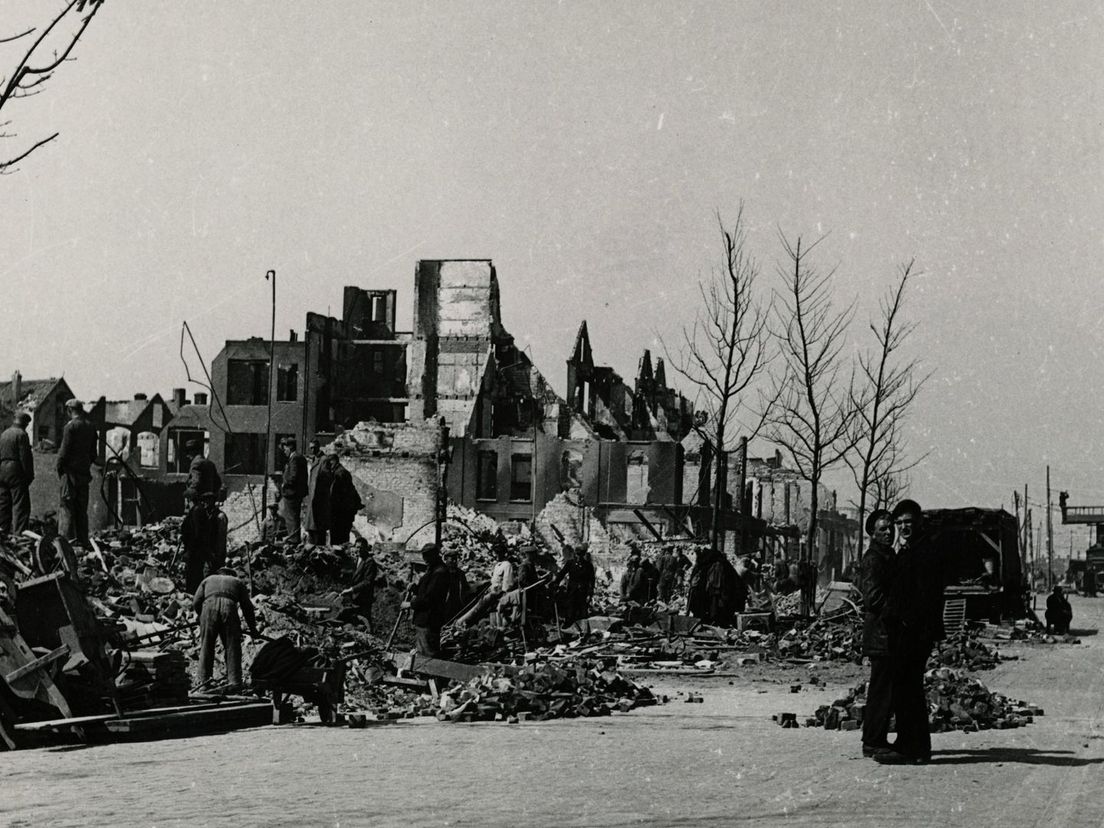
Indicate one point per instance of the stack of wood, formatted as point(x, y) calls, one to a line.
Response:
point(154, 678)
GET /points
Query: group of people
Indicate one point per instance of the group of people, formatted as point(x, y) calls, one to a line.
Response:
point(317, 495)
point(75, 457)
point(902, 586)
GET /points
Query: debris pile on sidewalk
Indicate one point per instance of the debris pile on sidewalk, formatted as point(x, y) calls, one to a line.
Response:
point(963, 650)
point(956, 701)
point(824, 640)
point(544, 691)
point(540, 691)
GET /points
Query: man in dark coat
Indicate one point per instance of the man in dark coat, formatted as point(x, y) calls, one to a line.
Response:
point(203, 534)
point(914, 616)
point(634, 581)
point(711, 583)
point(16, 474)
point(362, 590)
point(1088, 582)
point(577, 579)
point(319, 513)
point(75, 457)
point(430, 602)
point(345, 501)
point(672, 563)
point(293, 488)
point(204, 481)
point(1059, 613)
point(877, 581)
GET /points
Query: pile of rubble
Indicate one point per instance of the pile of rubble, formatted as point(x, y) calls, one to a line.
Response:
point(542, 691)
point(956, 701)
point(539, 691)
point(963, 650)
point(823, 639)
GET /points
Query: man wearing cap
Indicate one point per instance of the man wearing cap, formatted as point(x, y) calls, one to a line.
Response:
point(430, 602)
point(75, 457)
point(16, 474)
point(914, 622)
point(293, 488)
point(876, 582)
point(203, 478)
point(217, 602)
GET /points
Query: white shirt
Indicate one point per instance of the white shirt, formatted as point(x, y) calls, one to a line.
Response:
point(503, 578)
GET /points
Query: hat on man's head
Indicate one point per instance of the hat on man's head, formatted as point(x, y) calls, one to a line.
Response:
point(907, 507)
point(875, 516)
point(23, 418)
point(74, 405)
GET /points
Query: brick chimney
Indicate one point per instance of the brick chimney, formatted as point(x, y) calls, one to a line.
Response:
point(140, 397)
point(179, 398)
point(200, 398)
point(17, 389)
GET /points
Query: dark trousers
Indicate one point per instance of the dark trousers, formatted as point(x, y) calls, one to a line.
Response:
point(428, 640)
point(879, 702)
point(1059, 621)
point(218, 620)
point(340, 530)
point(291, 509)
point(73, 511)
point(15, 507)
point(910, 704)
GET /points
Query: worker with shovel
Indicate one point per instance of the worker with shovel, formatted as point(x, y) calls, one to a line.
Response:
point(217, 602)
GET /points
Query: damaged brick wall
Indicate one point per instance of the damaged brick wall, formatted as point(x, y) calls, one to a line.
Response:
point(394, 467)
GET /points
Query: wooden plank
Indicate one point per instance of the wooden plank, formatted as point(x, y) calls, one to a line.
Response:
point(57, 724)
point(38, 664)
point(189, 722)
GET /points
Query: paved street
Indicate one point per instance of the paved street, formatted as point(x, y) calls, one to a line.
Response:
point(718, 763)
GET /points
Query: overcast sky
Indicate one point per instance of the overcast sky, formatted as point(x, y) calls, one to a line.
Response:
point(585, 148)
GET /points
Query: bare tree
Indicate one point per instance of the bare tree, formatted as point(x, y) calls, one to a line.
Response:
point(45, 49)
point(726, 350)
point(883, 393)
point(813, 417)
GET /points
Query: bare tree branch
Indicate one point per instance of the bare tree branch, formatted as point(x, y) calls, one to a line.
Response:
point(813, 421)
point(727, 349)
point(882, 397)
point(29, 73)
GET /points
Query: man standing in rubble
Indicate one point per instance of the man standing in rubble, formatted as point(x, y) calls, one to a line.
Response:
point(345, 501)
point(362, 591)
point(293, 488)
point(204, 482)
point(672, 563)
point(76, 454)
point(217, 602)
point(16, 474)
point(430, 603)
point(576, 593)
point(711, 581)
point(876, 581)
point(914, 616)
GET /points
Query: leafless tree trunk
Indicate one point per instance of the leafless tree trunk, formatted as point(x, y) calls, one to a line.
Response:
point(45, 49)
point(882, 395)
point(726, 350)
point(813, 417)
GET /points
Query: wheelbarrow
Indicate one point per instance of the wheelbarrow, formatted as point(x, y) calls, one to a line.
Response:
point(282, 669)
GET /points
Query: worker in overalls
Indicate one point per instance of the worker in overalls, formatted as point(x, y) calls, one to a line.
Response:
point(217, 602)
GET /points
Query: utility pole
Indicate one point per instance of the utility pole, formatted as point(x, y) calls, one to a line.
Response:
point(269, 463)
point(1050, 538)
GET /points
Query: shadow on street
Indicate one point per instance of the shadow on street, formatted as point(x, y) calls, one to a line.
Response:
point(1024, 756)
